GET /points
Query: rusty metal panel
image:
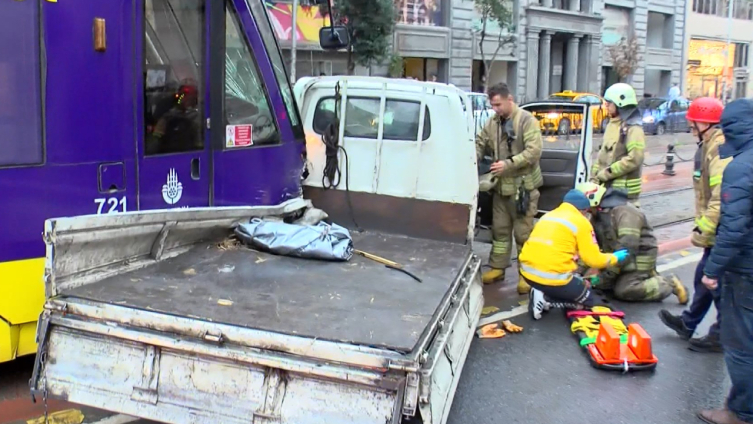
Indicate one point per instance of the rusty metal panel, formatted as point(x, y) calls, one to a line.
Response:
point(433, 220)
point(170, 386)
point(310, 401)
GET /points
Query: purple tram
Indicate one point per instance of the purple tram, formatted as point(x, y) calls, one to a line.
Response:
point(119, 105)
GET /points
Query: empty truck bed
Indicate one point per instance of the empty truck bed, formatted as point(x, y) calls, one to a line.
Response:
point(359, 301)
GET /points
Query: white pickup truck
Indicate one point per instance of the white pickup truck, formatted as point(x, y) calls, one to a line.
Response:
point(155, 315)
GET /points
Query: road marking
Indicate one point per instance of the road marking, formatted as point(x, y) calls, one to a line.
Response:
point(117, 419)
point(499, 316)
point(679, 262)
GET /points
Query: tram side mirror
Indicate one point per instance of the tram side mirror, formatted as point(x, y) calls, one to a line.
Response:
point(334, 37)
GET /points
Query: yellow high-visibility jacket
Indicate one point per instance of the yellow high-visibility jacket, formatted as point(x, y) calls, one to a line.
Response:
point(549, 257)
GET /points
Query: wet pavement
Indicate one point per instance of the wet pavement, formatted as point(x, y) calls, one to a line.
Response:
point(543, 376)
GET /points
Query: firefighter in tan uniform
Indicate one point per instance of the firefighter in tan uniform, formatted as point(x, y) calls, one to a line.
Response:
point(704, 115)
point(619, 225)
point(513, 138)
point(620, 158)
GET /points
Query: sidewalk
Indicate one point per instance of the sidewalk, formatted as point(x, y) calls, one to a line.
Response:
point(655, 181)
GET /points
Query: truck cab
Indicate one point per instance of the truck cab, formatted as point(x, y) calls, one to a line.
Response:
point(368, 105)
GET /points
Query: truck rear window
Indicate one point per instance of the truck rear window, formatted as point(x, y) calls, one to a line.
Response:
point(400, 120)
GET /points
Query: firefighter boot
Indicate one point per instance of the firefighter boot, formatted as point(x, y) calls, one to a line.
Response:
point(493, 275)
point(679, 290)
point(523, 287)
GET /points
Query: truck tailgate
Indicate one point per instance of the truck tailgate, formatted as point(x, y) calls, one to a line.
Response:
point(148, 315)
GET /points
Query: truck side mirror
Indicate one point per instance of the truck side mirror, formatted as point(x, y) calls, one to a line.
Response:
point(334, 37)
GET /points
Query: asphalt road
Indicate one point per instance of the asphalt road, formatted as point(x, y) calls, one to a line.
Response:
point(543, 376)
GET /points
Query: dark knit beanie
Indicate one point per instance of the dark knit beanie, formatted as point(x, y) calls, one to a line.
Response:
point(577, 199)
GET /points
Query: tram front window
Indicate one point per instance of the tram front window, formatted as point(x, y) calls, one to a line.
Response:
point(246, 99)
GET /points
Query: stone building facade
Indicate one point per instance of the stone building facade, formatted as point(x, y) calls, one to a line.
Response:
point(718, 49)
point(557, 45)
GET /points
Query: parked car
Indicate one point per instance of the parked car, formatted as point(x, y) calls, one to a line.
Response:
point(564, 123)
point(662, 115)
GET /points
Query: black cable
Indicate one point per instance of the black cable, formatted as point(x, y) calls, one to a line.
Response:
point(332, 173)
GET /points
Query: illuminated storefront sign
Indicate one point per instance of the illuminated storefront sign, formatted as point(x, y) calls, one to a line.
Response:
point(708, 65)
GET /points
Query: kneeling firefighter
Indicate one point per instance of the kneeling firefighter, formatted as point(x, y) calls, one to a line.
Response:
point(620, 225)
point(620, 157)
point(548, 260)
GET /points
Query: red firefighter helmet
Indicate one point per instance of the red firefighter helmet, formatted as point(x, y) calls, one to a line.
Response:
point(705, 109)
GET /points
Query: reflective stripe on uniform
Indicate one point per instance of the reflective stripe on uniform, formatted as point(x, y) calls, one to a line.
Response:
point(635, 144)
point(715, 180)
point(633, 185)
point(628, 232)
point(616, 168)
point(705, 225)
point(540, 240)
point(566, 223)
point(499, 246)
point(546, 275)
point(651, 287)
point(644, 263)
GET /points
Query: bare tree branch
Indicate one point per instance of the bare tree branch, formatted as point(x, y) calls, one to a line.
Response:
point(625, 57)
point(497, 12)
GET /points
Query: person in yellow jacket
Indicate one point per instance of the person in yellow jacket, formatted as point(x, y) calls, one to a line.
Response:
point(549, 259)
point(618, 164)
point(704, 115)
point(512, 137)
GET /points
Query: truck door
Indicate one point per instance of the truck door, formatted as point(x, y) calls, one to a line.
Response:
point(173, 141)
point(566, 158)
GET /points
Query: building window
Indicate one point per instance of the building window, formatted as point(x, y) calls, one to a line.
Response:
point(742, 9)
point(741, 89)
point(419, 12)
point(660, 30)
point(21, 140)
point(741, 55)
point(421, 69)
